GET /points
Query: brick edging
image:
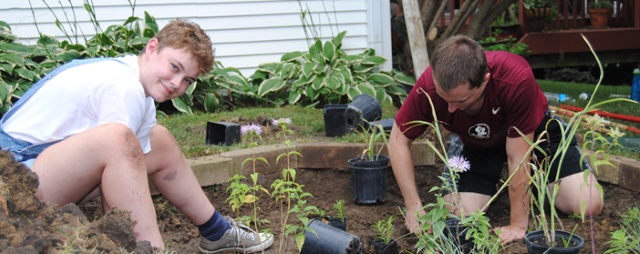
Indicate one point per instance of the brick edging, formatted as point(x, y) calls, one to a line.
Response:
point(623, 172)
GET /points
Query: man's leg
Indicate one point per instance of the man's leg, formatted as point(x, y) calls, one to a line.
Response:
point(576, 192)
point(467, 202)
point(475, 186)
point(108, 156)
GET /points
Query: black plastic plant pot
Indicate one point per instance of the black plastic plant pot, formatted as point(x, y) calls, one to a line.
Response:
point(457, 233)
point(382, 248)
point(329, 239)
point(335, 120)
point(365, 107)
point(222, 133)
point(338, 223)
point(536, 243)
point(369, 179)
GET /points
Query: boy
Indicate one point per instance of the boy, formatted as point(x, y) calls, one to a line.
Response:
point(102, 139)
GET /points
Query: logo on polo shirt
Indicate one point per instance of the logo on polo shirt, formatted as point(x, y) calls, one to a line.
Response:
point(480, 131)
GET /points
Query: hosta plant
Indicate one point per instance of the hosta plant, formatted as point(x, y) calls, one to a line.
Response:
point(326, 74)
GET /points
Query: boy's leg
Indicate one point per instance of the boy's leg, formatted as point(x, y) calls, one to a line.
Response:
point(171, 174)
point(108, 156)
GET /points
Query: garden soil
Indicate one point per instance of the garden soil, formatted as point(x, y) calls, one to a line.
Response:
point(29, 226)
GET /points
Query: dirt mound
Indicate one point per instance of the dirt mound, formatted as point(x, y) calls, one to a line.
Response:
point(28, 225)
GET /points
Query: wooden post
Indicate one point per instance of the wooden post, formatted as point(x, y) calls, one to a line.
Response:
point(415, 33)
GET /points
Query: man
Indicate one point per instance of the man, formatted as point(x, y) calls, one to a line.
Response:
point(88, 129)
point(484, 98)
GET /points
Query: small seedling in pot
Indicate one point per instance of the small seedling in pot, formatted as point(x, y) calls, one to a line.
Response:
point(384, 229)
point(339, 207)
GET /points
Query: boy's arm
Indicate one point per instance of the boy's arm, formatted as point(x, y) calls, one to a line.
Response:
point(518, 194)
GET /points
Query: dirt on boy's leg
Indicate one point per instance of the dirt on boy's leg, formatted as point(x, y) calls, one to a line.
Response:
point(4, 193)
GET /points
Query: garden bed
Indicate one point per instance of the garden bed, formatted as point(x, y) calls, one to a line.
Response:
point(36, 225)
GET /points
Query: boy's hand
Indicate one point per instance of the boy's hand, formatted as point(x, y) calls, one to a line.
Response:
point(510, 233)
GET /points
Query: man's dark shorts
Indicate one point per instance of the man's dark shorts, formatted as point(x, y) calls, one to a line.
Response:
point(487, 164)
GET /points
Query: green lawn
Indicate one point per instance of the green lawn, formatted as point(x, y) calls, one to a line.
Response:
point(604, 92)
point(190, 130)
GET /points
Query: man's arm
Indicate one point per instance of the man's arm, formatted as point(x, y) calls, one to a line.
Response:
point(518, 194)
point(399, 149)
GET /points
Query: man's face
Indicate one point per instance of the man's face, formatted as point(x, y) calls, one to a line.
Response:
point(463, 97)
point(167, 73)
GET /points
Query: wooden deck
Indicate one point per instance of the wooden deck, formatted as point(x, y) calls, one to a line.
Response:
point(564, 48)
point(560, 44)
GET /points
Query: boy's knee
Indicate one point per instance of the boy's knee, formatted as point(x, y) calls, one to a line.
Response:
point(120, 136)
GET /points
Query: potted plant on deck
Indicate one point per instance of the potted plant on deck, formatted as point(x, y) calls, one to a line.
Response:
point(537, 13)
point(369, 170)
point(599, 13)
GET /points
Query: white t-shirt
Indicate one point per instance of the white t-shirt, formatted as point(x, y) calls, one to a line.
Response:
point(82, 98)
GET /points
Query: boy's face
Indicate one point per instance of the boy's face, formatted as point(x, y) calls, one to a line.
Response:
point(166, 73)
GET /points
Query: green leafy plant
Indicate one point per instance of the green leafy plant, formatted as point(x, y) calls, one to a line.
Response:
point(531, 4)
point(339, 209)
point(376, 138)
point(626, 239)
point(20, 66)
point(328, 75)
point(384, 229)
point(510, 44)
point(241, 192)
point(600, 4)
point(290, 194)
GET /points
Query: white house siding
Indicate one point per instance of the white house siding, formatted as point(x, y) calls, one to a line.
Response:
point(245, 33)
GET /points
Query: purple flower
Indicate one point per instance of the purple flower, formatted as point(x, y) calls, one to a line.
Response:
point(276, 122)
point(459, 164)
point(250, 129)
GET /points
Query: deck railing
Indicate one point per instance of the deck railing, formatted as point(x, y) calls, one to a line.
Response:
point(571, 14)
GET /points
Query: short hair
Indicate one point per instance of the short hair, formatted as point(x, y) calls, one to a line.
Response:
point(183, 34)
point(459, 60)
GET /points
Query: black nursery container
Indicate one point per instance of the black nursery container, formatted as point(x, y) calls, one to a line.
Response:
point(329, 240)
point(381, 248)
point(369, 179)
point(458, 233)
point(338, 223)
point(222, 133)
point(367, 107)
point(533, 239)
point(336, 122)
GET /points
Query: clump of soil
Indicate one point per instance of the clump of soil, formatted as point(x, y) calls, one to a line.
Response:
point(28, 225)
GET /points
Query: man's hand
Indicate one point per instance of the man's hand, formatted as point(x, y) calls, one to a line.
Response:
point(510, 233)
